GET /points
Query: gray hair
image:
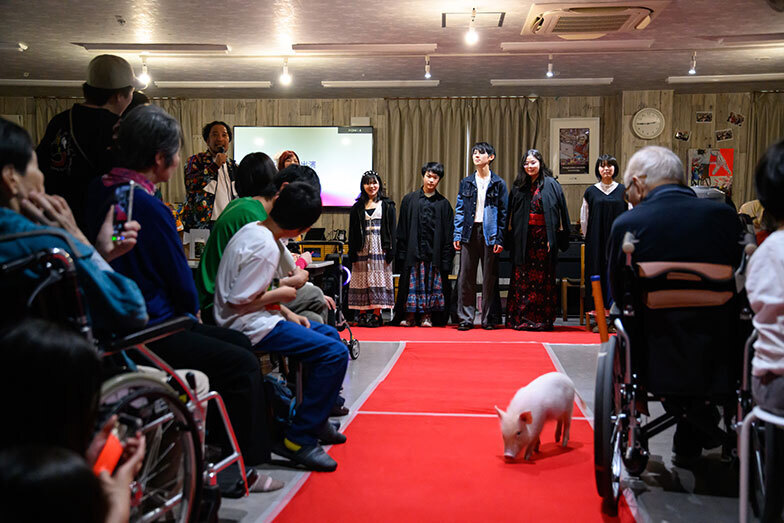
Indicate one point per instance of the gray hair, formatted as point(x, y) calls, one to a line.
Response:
point(143, 133)
point(659, 164)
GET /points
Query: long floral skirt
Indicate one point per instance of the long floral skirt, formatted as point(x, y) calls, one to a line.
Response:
point(425, 289)
point(531, 301)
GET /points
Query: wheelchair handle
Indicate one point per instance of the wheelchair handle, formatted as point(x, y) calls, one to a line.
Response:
point(628, 242)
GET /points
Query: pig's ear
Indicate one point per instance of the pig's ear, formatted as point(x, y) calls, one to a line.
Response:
point(525, 417)
point(501, 413)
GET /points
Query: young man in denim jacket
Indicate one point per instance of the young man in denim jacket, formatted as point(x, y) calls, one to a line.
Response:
point(480, 217)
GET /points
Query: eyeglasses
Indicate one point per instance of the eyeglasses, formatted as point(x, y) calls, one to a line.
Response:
point(629, 188)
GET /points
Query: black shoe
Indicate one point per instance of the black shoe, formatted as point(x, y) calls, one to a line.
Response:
point(488, 327)
point(329, 435)
point(464, 326)
point(339, 410)
point(335, 424)
point(312, 457)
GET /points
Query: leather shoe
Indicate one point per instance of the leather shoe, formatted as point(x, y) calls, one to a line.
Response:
point(329, 435)
point(312, 457)
point(464, 326)
point(488, 327)
point(339, 410)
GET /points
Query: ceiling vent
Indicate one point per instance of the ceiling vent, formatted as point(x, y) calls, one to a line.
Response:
point(590, 20)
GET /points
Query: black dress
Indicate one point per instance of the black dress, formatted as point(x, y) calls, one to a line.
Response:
point(602, 211)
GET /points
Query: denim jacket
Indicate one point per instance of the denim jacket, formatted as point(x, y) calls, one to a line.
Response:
point(494, 217)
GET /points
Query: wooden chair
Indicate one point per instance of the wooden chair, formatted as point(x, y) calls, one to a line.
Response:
point(569, 281)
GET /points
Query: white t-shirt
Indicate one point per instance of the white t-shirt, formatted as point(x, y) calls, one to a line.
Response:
point(247, 267)
point(481, 192)
point(765, 288)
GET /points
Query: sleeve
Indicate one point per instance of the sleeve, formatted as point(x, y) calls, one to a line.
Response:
point(615, 261)
point(193, 168)
point(390, 255)
point(584, 217)
point(353, 231)
point(459, 212)
point(503, 205)
point(401, 233)
point(566, 223)
point(253, 278)
point(447, 249)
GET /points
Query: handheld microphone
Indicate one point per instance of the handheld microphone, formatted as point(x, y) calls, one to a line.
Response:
point(221, 150)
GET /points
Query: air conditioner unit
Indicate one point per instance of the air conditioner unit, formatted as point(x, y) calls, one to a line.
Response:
point(586, 21)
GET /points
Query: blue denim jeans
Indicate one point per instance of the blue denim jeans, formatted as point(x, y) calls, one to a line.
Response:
point(325, 358)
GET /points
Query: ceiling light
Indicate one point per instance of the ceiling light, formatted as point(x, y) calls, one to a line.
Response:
point(285, 77)
point(145, 76)
point(18, 46)
point(472, 37)
point(534, 82)
point(549, 73)
point(364, 49)
point(725, 78)
point(378, 83)
point(693, 68)
point(427, 67)
point(208, 84)
point(578, 47)
point(28, 82)
point(166, 49)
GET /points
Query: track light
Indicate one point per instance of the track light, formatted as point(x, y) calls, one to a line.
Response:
point(693, 68)
point(427, 67)
point(472, 36)
point(285, 77)
point(145, 76)
point(549, 73)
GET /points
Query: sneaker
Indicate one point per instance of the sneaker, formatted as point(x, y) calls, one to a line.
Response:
point(312, 457)
point(426, 322)
point(258, 482)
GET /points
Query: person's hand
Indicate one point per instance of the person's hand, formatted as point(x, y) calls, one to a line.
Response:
point(307, 257)
point(548, 246)
point(99, 440)
point(297, 278)
point(109, 249)
point(331, 305)
point(116, 488)
point(498, 249)
point(456, 245)
point(53, 211)
point(301, 320)
point(220, 159)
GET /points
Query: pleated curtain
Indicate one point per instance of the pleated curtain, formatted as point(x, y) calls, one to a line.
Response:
point(767, 128)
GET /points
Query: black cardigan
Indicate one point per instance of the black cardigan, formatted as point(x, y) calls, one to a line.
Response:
point(407, 246)
point(356, 229)
point(556, 219)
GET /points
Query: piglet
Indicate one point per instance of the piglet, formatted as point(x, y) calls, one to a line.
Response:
point(550, 396)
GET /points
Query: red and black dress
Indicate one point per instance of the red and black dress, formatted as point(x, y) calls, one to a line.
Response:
point(531, 300)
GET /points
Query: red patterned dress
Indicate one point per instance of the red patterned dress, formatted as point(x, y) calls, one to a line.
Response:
point(531, 301)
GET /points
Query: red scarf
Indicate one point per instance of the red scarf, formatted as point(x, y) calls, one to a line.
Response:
point(120, 175)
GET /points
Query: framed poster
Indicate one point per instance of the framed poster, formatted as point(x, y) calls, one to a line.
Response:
point(574, 148)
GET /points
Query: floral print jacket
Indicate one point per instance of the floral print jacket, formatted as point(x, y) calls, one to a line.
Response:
point(200, 170)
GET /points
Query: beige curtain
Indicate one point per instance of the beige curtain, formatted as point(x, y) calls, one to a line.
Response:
point(186, 112)
point(421, 131)
point(766, 128)
point(45, 110)
point(510, 125)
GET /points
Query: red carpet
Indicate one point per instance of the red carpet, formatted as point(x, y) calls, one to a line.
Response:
point(564, 334)
point(430, 467)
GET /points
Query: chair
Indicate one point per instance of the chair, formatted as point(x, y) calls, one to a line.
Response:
point(571, 271)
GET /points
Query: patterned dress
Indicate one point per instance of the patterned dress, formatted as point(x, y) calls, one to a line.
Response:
point(200, 171)
point(371, 284)
point(531, 301)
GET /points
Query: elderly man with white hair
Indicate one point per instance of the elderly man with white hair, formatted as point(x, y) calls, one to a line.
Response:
point(671, 223)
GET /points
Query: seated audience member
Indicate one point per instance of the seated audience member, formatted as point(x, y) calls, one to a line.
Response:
point(765, 287)
point(148, 144)
point(287, 158)
point(114, 302)
point(671, 224)
point(247, 298)
point(68, 384)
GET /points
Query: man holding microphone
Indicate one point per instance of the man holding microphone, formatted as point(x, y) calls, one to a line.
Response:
point(209, 178)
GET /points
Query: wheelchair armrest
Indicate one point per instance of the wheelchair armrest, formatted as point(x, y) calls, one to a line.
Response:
point(151, 333)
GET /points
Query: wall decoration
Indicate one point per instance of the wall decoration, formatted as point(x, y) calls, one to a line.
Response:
point(683, 136)
point(704, 116)
point(648, 123)
point(711, 167)
point(736, 119)
point(574, 149)
point(722, 135)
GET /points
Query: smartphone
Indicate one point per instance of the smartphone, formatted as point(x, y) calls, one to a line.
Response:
point(113, 449)
point(123, 209)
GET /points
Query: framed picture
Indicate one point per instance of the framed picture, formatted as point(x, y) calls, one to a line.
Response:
point(574, 148)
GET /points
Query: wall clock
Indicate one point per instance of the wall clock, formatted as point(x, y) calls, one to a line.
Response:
point(648, 123)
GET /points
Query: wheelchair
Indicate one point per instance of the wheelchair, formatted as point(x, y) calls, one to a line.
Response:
point(655, 357)
point(175, 482)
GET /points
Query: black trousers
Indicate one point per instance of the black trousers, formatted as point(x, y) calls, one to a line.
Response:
point(225, 356)
point(472, 252)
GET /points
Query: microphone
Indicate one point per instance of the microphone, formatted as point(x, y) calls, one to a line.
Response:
point(221, 150)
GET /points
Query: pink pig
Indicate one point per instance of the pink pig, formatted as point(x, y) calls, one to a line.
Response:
point(550, 396)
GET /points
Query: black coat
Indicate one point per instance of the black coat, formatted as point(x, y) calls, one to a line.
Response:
point(356, 229)
point(407, 246)
point(556, 219)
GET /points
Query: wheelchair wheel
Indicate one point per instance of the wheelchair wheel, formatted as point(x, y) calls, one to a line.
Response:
point(353, 348)
point(609, 441)
point(169, 483)
point(766, 474)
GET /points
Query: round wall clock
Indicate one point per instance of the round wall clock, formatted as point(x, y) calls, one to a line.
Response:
point(648, 123)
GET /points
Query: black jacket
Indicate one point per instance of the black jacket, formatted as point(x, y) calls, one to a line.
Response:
point(556, 219)
point(407, 245)
point(356, 229)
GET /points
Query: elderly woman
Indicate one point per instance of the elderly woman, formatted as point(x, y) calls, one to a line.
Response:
point(148, 143)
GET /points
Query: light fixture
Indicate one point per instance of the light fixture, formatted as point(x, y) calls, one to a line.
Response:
point(549, 73)
point(363, 49)
point(726, 78)
point(537, 82)
point(371, 84)
point(166, 49)
point(472, 37)
point(285, 77)
point(30, 82)
point(591, 46)
point(145, 76)
point(18, 46)
point(427, 67)
point(693, 68)
point(209, 84)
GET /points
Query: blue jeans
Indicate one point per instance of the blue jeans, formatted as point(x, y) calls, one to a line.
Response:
point(319, 348)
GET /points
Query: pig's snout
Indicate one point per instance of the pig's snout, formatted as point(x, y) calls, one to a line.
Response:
point(510, 454)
